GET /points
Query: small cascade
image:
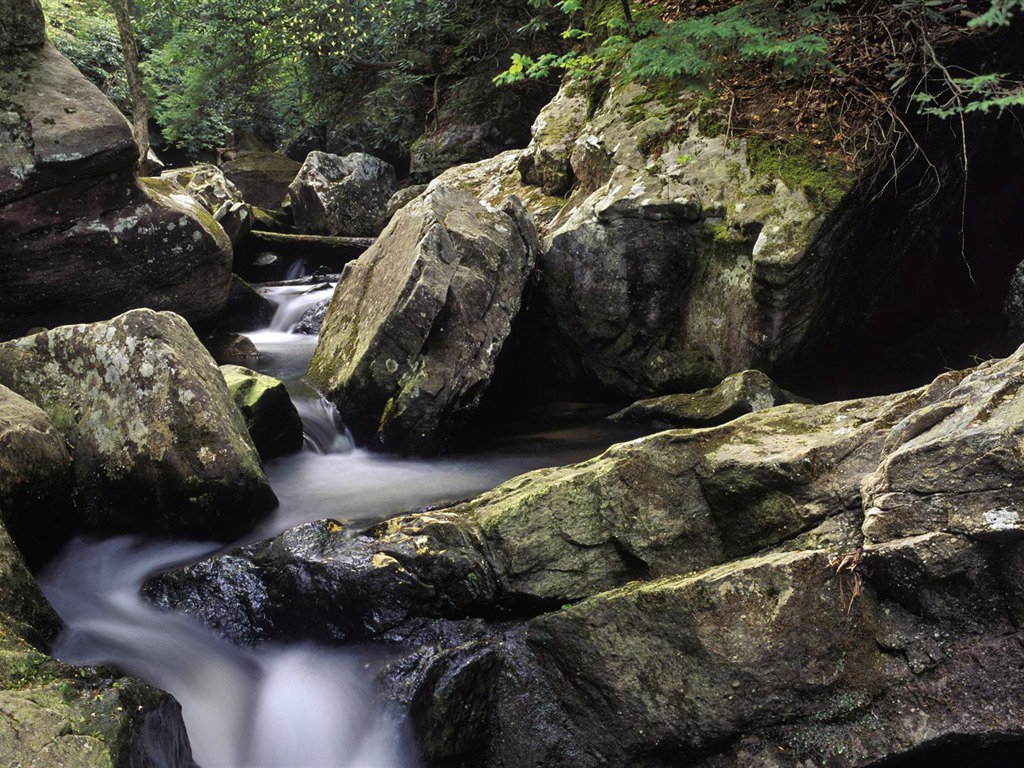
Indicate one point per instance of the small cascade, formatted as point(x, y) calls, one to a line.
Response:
point(299, 268)
point(322, 427)
point(293, 303)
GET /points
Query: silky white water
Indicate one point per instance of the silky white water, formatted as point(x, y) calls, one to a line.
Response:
point(300, 706)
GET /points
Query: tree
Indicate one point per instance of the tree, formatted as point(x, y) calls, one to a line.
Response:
point(137, 89)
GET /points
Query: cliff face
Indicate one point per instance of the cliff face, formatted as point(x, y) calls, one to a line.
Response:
point(80, 238)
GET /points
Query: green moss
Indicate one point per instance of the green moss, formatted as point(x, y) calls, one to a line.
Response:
point(800, 165)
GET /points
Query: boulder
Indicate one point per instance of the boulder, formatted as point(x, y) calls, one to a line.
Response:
point(262, 177)
point(57, 714)
point(740, 393)
point(81, 238)
point(35, 478)
point(21, 25)
point(683, 255)
point(764, 592)
point(657, 277)
point(209, 187)
point(333, 195)
point(270, 415)
point(247, 309)
point(158, 444)
point(417, 322)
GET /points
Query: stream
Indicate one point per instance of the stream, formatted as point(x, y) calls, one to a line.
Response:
point(298, 705)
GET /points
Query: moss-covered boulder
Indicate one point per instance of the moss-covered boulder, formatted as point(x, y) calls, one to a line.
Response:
point(270, 415)
point(35, 477)
point(159, 445)
point(82, 238)
point(740, 393)
point(58, 715)
point(416, 323)
point(262, 177)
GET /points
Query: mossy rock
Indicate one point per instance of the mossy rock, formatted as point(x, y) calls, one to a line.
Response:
point(270, 415)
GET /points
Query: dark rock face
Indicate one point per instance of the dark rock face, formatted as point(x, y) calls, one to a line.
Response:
point(159, 445)
point(416, 323)
point(763, 592)
point(738, 394)
point(81, 238)
point(333, 195)
point(247, 309)
point(262, 177)
point(35, 477)
point(21, 25)
point(270, 415)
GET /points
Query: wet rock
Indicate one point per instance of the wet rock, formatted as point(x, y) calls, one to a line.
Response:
point(209, 187)
point(262, 177)
point(57, 714)
point(333, 195)
point(738, 394)
point(338, 588)
point(82, 238)
point(312, 319)
point(416, 323)
point(35, 478)
point(270, 415)
point(159, 445)
point(21, 25)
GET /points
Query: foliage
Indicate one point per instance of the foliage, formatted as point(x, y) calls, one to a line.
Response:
point(695, 49)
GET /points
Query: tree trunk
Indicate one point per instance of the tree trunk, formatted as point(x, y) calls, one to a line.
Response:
point(627, 12)
point(140, 104)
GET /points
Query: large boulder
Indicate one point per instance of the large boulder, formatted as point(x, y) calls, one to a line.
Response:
point(765, 592)
point(209, 187)
point(270, 416)
point(80, 238)
point(158, 443)
point(417, 322)
point(57, 714)
point(683, 254)
point(348, 195)
point(262, 177)
point(35, 477)
point(21, 25)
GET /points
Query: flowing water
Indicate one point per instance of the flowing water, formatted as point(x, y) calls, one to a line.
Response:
point(298, 705)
